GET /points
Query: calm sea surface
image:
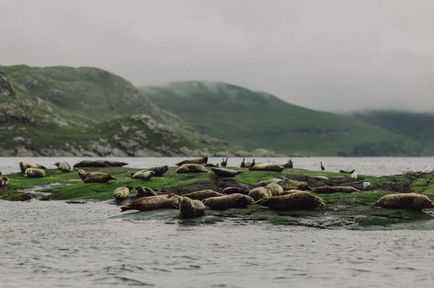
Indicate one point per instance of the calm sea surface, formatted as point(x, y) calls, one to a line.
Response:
point(55, 244)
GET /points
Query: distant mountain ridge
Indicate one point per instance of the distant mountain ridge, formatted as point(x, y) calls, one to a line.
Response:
point(250, 118)
point(85, 111)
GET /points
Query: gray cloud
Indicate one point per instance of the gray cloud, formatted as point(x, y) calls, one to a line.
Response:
point(327, 55)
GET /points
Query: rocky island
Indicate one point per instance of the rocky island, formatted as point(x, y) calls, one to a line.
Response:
point(350, 208)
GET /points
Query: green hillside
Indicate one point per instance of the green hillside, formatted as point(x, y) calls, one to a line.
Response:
point(417, 126)
point(251, 119)
point(87, 111)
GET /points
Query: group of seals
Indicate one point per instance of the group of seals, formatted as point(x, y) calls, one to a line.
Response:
point(24, 166)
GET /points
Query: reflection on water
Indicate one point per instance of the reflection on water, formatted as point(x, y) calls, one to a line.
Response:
point(375, 166)
point(52, 244)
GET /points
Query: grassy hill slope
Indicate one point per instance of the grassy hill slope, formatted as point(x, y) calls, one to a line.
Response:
point(249, 118)
point(417, 126)
point(87, 111)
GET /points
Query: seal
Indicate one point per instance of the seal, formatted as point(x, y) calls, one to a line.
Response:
point(289, 164)
point(202, 160)
point(274, 188)
point(347, 171)
point(404, 201)
point(335, 189)
point(190, 208)
point(145, 192)
point(224, 172)
point(34, 173)
point(99, 163)
point(143, 175)
point(245, 164)
point(267, 167)
point(4, 181)
point(259, 193)
point(159, 171)
point(233, 190)
point(228, 201)
point(293, 201)
point(95, 177)
point(202, 194)
point(170, 201)
point(24, 166)
point(63, 166)
point(122, 193)
point(287, 184)
point(191, 168)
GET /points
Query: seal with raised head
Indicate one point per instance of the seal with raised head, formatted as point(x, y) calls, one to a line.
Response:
point(190, 208)
point(170, 201)
point(145, 192)
point(259, 193)
point(228, 201)
point(202, 160)
point(143, 175)
point(224, 172)
point(4, 181)
point(191, 168)
point(159, 171)
point(122, 193)
point(34, 173)
point(335, 189)
point(202, 194)
point(94, 177)
point(267, 167)
point(99, 163)
point(233, 190)
point(293, 201)
point(404, 201)
point(24, 166)
point(63, 166)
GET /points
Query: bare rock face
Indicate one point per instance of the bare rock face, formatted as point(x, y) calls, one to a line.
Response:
point(5, 87)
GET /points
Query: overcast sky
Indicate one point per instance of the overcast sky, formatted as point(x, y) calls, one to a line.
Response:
point(327, 55)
